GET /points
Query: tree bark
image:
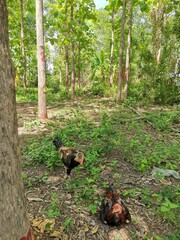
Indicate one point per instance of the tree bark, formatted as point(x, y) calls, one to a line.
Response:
point(67, 49)
point(13, 219)
point(72, 53)
point(23, 46)
point(127, 68)
point(120, 76)
point(112, 48)
point(158, 17)
point(42, 107)
point(79, 64)
point(79, 46)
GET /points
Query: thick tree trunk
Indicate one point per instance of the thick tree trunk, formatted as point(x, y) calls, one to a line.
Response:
point(120, 76)
point(112, 49)
point(127, 68)
point(72, 54)
point(13, 219)
point(42, 107)
point(23, 46)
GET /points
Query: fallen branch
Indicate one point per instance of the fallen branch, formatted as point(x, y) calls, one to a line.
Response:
point(33, 199)
point(140, 118)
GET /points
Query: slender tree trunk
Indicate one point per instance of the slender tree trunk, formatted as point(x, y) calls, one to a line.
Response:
point(79, 64)
point(42, 107)
point(67, 68)
point(120, 76)
point(72, 53)
point(60, 70)
point(112, 49)
point(177, 64)
point(22, 46)
point(103, 74)
point(13, 219)
point(127, 68)
point(79, 47)
point(60, 76)
point(158, 17)
point(67, 50)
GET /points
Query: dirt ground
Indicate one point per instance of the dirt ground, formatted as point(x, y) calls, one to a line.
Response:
point(85, 226)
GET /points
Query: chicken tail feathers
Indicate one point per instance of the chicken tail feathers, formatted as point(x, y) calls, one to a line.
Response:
point(57, 143)
point(110, 190)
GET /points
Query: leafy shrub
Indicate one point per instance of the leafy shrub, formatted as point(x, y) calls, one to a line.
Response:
point(31, 95)
point(163, 120)
point(169, 197)
point(41, 150)
point(97, 89)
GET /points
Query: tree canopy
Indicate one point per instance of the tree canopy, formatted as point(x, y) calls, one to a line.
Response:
point(154, 61)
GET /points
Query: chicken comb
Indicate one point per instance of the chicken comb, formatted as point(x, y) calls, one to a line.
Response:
point(117, 208)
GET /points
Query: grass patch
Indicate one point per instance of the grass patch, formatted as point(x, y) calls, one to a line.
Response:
point(144, 148)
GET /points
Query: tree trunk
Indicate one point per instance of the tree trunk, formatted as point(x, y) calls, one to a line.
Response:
point(67, 68)
point(79, 64)
point(120, 77)
point(13, 218)
point(112, 49)
point(22, 46)
point(72, 53)
point(60, 69)
point(79, 47)
point(127, 68)
point(67, 51)
point(42, 107)
point(158, 17)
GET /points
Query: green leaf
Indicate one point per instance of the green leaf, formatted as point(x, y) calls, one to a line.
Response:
point(174, 205)
point(90, 180)
point(164, 209)
point(92, 208)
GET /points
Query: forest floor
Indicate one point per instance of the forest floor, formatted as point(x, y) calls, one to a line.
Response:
point(46, 188)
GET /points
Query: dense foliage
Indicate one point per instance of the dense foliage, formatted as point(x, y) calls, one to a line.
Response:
point(154, 66)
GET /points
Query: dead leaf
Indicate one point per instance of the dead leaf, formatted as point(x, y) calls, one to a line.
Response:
point(95, 229)
point(112, 234)
point(69, 196)
point(116, 234)
point(124, 234)
point(165, 182)
point(53, 179)
point(86, 229)
point(102, 167)
point(43, 224)
point(56, 234)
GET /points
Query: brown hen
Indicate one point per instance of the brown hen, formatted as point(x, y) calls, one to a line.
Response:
point(113, 210)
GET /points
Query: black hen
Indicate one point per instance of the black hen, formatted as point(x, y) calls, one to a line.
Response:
point(70, 157)
point(113, 210)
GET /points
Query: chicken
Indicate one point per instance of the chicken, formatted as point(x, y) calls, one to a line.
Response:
point(113, 210)
point(70, 157)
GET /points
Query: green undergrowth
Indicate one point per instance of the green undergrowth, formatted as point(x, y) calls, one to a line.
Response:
point(31, 95)
point(142, 145)
point(164, 120)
